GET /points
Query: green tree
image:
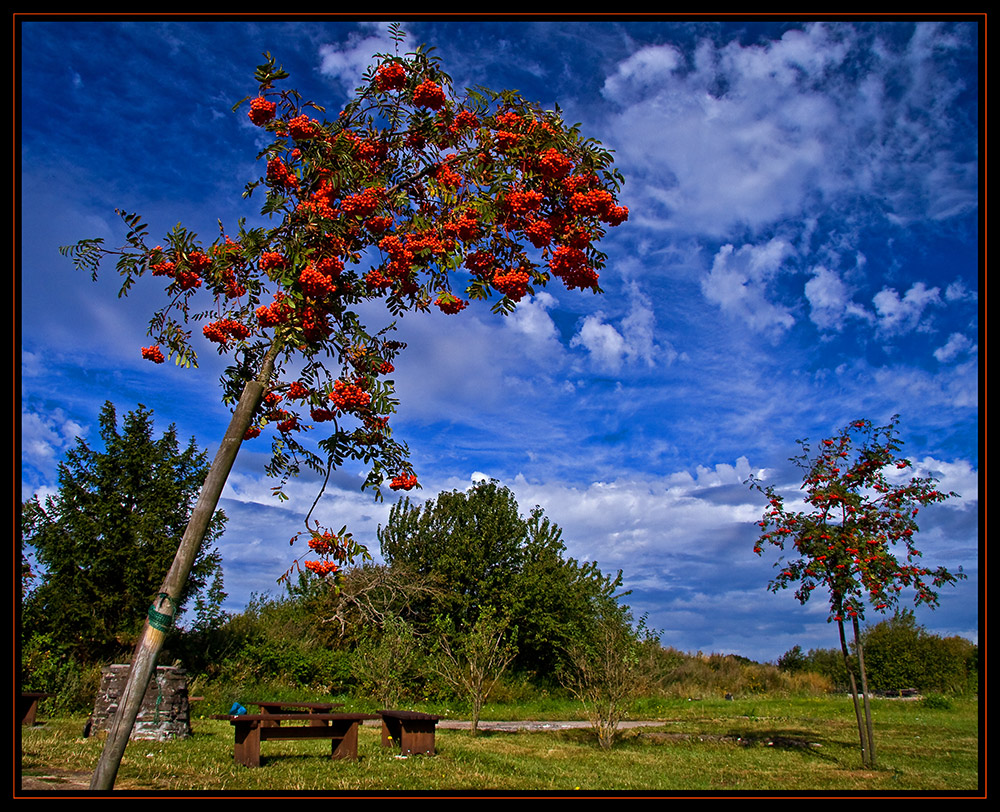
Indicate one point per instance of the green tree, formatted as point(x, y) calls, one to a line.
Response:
point(472, 659)
point(479, 552)
point(467, 542)
point(106, 539)
point(856, 512)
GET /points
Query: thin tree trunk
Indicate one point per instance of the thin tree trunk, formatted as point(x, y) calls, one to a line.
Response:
point(864, 693)
point(165, 606)
point(854, 694)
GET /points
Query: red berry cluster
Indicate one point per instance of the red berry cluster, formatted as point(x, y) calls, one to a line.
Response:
point(271, 260)
point(322, 415)
point(274, 314)
point(261, 111)
point(154, 354)
point(449, 303)
point(428, 94)
point(321, 568)
point(571, 265)
point(363, 204)
point(553, 164)
point(403, 482)
point(279, 174)
point(349, 397)
point(512, 284)
point(302, 128)
point(390, 76)
point(221, 331)
point(314, 283)
point(298, 390)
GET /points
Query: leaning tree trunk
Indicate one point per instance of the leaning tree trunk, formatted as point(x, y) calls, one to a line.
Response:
point(164, 608)
point(864, 693)
point(854, 695)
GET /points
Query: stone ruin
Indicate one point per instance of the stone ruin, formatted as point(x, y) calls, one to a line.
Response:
point(165, 712)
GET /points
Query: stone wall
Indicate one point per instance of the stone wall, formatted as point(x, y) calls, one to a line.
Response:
point(165, 712)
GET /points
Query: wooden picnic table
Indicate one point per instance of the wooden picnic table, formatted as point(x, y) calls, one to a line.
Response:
point(411, 731)
point(251, 729)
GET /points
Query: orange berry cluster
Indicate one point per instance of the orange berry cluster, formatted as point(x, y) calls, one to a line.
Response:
point(403, 482)
point(261, 111)
point(390, 76)
point(321, 568)
point(154, 354)
point(221, 331)
point(428, 94)
point(349, 397)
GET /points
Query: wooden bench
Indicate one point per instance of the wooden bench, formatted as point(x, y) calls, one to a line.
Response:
point(28, 705)
point(412, 732)
point(252, 729)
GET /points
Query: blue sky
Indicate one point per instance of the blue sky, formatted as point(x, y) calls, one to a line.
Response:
point(803, 250)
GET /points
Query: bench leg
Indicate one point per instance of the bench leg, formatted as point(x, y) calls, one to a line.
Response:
point(391, 732)
point(346, 746)
point(246, 750)
point(417, 737)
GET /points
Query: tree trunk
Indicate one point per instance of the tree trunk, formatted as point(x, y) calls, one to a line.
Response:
point(164, 608)
point(864, 693)
point(854, 694)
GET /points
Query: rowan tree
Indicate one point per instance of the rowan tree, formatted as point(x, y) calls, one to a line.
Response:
point(859, 509)
point(413, 196)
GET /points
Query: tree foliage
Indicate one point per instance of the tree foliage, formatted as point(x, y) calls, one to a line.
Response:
point(857, 512)
point(481, 553)
point(858, 508)
point(413, 196)
point(605, 669)
point(900, 653)
point(106, 539)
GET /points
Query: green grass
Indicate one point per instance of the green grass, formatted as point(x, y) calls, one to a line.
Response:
point(766, 745)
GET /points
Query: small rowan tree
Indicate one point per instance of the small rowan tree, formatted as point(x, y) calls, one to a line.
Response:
point(407, 189)
point(856, 513)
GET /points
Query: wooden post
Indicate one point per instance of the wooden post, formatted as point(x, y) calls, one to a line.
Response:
point(164, 609)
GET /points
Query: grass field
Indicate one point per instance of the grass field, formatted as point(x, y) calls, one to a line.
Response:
point(746, 746)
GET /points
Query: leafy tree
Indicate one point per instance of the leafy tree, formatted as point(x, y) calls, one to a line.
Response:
point(385, 661)
point(409, 189)
point(468, 542)
point(480, 552)
point(843, 540)
point(793, 660)
point(106, 539)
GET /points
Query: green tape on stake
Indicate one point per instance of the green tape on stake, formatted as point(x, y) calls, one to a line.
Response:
point(158, 620)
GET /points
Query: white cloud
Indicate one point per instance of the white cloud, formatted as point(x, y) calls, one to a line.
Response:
point(830, 300)
point(738, 283)
point(604, 343)
point(44, 439)
point(633, 342)
point(955, 346)
point(902, 315)
point(749, 135)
